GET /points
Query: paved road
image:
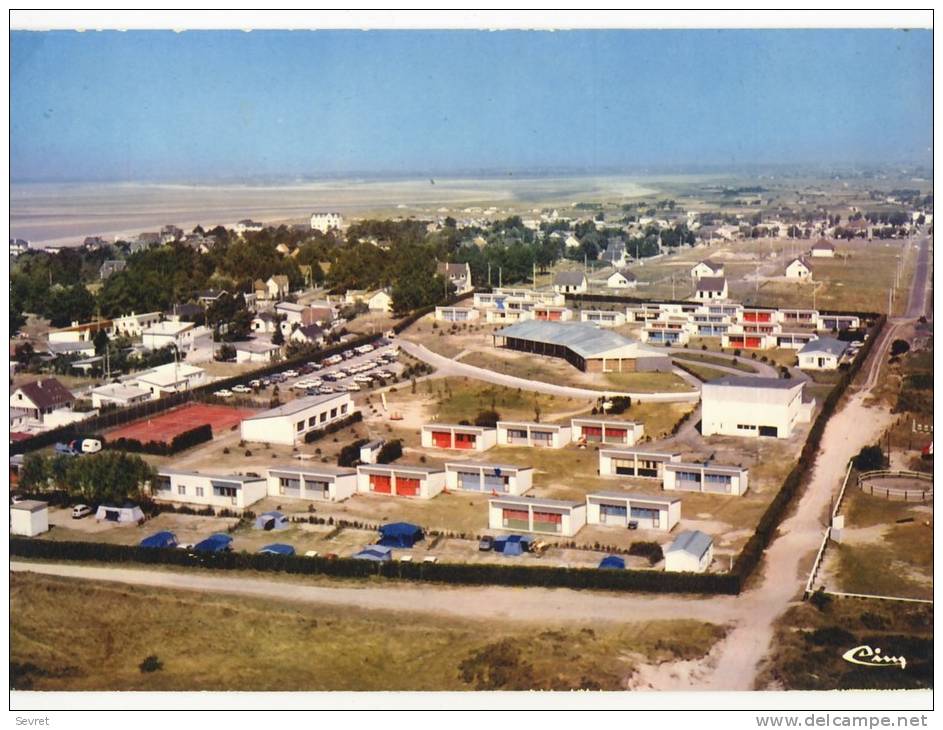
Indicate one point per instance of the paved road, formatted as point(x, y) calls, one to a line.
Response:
point(446, 366)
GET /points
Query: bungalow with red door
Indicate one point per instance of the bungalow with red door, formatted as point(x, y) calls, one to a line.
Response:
point(454, 436)
point(401, 480)
point(523, 433)
point(634, 463)
point(528, 514)
point(552, 313)
point(606, 431)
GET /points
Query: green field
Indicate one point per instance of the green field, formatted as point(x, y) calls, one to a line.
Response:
point(70, 635)
point(701, 357)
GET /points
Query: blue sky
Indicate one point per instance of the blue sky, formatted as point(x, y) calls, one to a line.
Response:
point(158, 105)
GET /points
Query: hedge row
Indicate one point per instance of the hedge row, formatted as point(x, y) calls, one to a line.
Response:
point(187, 439)
point(752, 552)
point(320, 433)
point(454, 573)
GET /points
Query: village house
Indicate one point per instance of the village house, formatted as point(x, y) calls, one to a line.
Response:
point(706, 269)
point(570, 282)
point(174, 377)
point(112, 266)
point(118, 394)
point(37, 399)
point(822, 249)
point(256, 351)
point(458, 275)
point(178, 334)
point(309, 334)
point(324, 222)
point(710, 288)
point(622, 279)
point(691, 552)
point(824, 353)
point(799, 269)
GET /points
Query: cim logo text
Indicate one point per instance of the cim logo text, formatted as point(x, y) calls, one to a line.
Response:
point(868, 657)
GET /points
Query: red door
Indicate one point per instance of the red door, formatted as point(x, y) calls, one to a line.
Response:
point(753, 342)
point(464, 441)
point(556, 315)
point(616, 434)
point(592, 433)
point(548, 521)
point(407, 487)
point(380, 483)
point(442, 439)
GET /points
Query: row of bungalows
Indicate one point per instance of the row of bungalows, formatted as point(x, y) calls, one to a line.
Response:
point(565, 518)
point(457, 314)
point(674, 474)
point(603, 317)
point(529, 433)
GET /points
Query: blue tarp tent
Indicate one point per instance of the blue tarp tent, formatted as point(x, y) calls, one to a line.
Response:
point(159, 540)
point(278, 548)
point(380, 553)
point(271, 521)
point(400, 534)
point(214, 544)
point(512, 544)
point(612, 562)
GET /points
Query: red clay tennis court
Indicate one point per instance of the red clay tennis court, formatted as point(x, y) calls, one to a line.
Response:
point(163, 427)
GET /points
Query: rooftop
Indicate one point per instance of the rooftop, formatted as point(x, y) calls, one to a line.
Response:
point(635, 496)
point(569, 278)
point(297, 405)
point(583, 338)
point(742, 381)
point(47, 393)
point(240, 478)
point(711, 283)
point(827, 345)
point(693, 542)
point(539, 502)
point(168, 328)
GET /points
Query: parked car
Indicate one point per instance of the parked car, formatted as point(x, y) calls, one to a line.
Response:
point(223, 393)
point(80, 511)
point(90, 446)
point(241, 389)
point(290, 373)
point(255, 383)
point(352, 387)
point(68, 449)
point(486, 543)
point(633, 524)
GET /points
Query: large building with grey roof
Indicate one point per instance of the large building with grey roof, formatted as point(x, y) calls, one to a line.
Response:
point(585, 346)
point(288, 424)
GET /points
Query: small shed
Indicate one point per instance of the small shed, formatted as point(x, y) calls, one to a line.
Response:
point(216, 543)
point(126, 514)
point(29, 518)
point(377, 553)
point(159, 540)
point(692, 552)
point(400, 534)
point(278, 548)
point(370, 450)
point(612, 562)
point(273, 520)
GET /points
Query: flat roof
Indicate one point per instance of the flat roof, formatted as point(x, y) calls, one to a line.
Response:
point(639, 452)
point(634, 496)
point(739, 381)
point(487, 465)
point(457, 426)
point(119, 390)
point(29, 505)
point(402, 467)
point(606, 421)
point(296, 406)
point(531, 423)
point(711, 467)
point(168, 328)
point(240, 478)
point(539, 502)
point(326, 469)
point(583, 338)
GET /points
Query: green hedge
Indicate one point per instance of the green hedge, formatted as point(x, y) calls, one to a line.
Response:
point(320, 433)
point(185, 440)
point(453, 573)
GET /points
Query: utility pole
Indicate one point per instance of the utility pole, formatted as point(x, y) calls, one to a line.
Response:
point(489, 274)
point(499, 277)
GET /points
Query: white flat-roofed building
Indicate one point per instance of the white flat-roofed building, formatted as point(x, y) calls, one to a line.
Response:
point(29, 518)
point(545, 516)
point(670, 329)
point(133, 325)
point(118, 394)
point(324, 222)
point(801, 317)
point(692, 551)
point(213, 490)
point(401, 480)
point(710, 478)
point(173, 377)
point(824, 353)
point(837, 322)
point(288, 424)
point(457, 314)
point(634, 463)
point(454, 436)
point(603, 317)
point(751, 335)
point(471, 476)
point(606, 431)
point(551, 313)
point(749, 406)
point(321, 483)
point(501, 316)
point(617, 509)
point(162, 334)
point(523, 433)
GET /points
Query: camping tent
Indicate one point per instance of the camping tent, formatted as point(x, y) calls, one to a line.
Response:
point(400, 534)
point(613, 562)
point(214, 544)
point(271, 521)
point(278, 548)
point(127, 513)
point(379, 553)
point(159, 540)
point(512, 544)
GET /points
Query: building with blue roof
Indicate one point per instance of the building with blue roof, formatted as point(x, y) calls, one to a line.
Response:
point(691, 552)
point(376, 553)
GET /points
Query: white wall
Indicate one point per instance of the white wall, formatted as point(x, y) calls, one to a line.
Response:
point(247, 493)
point(282, 429)
point(29, 524)
point(681, 561)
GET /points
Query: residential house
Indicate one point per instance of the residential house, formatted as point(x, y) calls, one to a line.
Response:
point(822, 249)
point(824, 353)
point(264, 323)
point(324, 222)
point(179, 334)
point(213, 490)
point(38, 398)
point(570, 282)
point(209, 296)
point(309, 334)
point(256, 351)
point(112, 266)
point(691, 552)
point(799, 268)
point(18, 246)
point(248, 225)
point(173, 377)
point(118, 394)
point(704, 269)
point(622, 279)
point(380, 301)
point(276, 287)
point(615, 254)
point(458, 275)
point(710, 288)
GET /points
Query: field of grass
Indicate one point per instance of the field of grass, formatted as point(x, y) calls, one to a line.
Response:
point(701, 357)
point(704, 372)
point(70, 635)
point(647, 382)
point(809, 643)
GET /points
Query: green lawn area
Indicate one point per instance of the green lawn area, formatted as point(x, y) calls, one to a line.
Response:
point(71, 635)
point(654, 382)
point(704, 372)
point(701, 357)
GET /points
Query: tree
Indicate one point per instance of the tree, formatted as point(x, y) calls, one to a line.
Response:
point(488, 419)
point(899, 347)
point(277, 337)
point(101, 341)
point(869, 458)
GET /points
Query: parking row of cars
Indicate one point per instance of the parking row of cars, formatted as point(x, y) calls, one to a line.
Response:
point(360, 375)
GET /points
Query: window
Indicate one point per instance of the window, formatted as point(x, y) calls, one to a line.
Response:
point(745, 427)
point(163, 484)
point(300, 426)
point(224, 491)
point(199, 491)
point(323, 417)
point(312, 421)
point(344, 408)
point(333, 413)
point(181, 489)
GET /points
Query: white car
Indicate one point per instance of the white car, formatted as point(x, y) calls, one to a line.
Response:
point(352, 387)
point(223, 393)
point(300, 385)
point(255, 383)
point(80, 511)
point(290, 373)
point(241, 389)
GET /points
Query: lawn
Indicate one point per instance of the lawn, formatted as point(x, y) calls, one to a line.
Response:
point(653, 382)
point(715, 360)
point(704, 372)
point(70, 635)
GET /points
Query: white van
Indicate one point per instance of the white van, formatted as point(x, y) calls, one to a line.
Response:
point(91, 446)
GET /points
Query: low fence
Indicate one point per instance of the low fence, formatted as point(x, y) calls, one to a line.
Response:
point(869, 596)
point(450, 573)
point(901, 493)
point(820, 555)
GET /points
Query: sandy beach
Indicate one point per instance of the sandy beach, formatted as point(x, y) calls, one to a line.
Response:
point(65, 213)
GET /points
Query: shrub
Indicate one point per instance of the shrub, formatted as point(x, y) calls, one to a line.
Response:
point(150, 664)
point(487, 419)
point(869, 458)
point(391, 451)
point(899, 347)
point(650, 550)
point(350, 454)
